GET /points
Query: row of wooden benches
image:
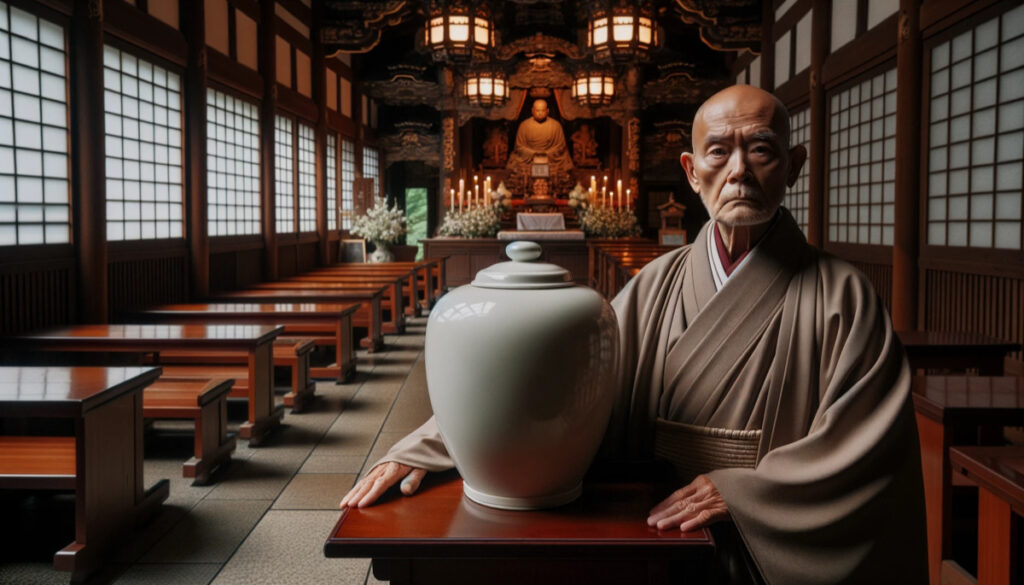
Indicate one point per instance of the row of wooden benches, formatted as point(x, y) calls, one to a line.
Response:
point(208, 352)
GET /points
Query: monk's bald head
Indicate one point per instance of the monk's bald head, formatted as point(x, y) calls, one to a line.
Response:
point(740, 102)
point(540, 110)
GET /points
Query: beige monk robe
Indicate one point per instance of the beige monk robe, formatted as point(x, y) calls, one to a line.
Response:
point(797, 345)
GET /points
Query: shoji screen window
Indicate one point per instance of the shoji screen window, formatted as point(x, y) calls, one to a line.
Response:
point(307, 178)
point(143, 148)
point(797, 199)
point(284, 177)
point(976, 138)
point(371, 168)
point(862, 165)
point(348, 175)
point(331, 181)
point(34, 191)
point(232, 165)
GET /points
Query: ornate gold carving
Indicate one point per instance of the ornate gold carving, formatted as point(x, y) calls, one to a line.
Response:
point(496, 147)
point(725, 25)
point(633, 144)
point(584, 147)
point(539, 44)
point(681, 89)
point(341, 31)
point(448, 142)
point(408, 146)
point(404, 92)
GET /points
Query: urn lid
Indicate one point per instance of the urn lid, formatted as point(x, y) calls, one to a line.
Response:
point(523, 272)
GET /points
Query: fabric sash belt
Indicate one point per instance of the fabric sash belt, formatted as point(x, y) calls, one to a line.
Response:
point(694, 450)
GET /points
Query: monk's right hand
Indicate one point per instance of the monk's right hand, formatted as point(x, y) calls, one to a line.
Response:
point(368, 489)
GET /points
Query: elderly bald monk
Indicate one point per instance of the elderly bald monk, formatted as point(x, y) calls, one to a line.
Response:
point(539, 134)
point(766, 370)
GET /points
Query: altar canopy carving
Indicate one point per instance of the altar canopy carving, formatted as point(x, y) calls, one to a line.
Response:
point(495, 148)
point(584, 148)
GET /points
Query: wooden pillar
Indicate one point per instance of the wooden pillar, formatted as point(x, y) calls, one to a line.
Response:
point(818, 116)
point(908, 171)
point(194, 27)
point(320, 98)
point(88, 176)
point(767, 46)
point(268, 109)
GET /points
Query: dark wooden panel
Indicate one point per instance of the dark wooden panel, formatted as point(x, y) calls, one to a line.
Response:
point(235, 269)
point(136, 283)
point(974, 303)
point(36, 297)
point(305, 256)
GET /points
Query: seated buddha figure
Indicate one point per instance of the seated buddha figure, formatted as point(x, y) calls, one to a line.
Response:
point(540, 135)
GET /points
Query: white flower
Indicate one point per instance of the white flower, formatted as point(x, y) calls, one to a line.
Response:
point(381, 223)
point(608, 222)
point(477, 222)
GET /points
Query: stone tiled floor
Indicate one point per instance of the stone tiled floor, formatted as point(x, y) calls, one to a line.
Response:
point(266, 516)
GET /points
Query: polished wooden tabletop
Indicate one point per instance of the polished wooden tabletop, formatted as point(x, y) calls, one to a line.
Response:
point(439, 522)
point(66, 391)
point(303, 295)
point(952, 341)
point(245, 310)
point(941, 396)
point(1000, 470)
point(148, 337)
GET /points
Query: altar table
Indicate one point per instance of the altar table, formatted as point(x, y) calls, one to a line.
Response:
point(439, 536)
point(956, 352)
point(101, 462)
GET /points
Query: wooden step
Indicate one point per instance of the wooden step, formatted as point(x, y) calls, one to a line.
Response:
point(37, 463)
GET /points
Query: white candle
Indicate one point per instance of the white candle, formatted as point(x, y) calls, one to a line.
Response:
point(462, 188)
point(451, 202)
point(629, 200)
point(487, 191)
point(476, 196)
point(619, 189)
point(593, 184)
point(604, 196)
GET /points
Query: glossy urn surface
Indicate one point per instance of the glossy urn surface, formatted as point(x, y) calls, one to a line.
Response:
point(521, 375)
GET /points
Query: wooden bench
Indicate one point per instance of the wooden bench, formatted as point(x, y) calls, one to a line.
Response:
point(327, 324)
point(287, 353)
point(204, 401)
point(101, 462)
point(957, 410)
point(392, 321)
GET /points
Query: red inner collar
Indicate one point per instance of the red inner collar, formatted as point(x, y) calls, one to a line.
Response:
point(729, 264)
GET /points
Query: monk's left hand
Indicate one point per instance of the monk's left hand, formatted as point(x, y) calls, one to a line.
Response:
point(695, 506)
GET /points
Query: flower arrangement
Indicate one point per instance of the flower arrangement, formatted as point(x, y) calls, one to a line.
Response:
point(609, 222)
point(481, 221)
point(600, 221)
point(381, 224)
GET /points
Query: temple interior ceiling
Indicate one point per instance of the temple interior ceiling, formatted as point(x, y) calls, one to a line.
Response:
point(538, 47)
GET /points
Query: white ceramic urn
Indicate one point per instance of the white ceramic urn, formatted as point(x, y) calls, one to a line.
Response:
point(521, 375)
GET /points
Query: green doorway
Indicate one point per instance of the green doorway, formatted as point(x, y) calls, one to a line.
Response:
point(416, 218)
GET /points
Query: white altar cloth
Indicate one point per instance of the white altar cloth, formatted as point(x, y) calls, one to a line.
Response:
point(540, 221)
point(510, 235)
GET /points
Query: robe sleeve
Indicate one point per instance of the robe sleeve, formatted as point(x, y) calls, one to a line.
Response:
point(422, 448)
point(842, 504)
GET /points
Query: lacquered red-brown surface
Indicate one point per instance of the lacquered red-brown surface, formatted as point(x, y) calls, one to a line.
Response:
point(1000, 470)
point(269, 311)
point(150, 337)
point(942, 396)
point(302, 296)
point(951, 341)
point(66, 391)
point(440, 522)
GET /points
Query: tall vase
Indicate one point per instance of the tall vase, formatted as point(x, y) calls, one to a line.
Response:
point(381, 253)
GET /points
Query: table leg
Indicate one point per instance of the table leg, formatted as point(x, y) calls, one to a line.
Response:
point(996, 540)
point(937, 493)
point(345, 351)
point(264, 416)
point(374, 340)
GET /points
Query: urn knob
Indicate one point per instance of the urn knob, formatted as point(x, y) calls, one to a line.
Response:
point(523, 251)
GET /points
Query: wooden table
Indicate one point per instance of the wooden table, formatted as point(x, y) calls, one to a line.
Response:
point(956, 352)
point(999, 474)
point(957, 410)
point(256, 340)
point(368, 315)
point(101, 462)
point(391, 296)
point(296, 318)
point(439, 536)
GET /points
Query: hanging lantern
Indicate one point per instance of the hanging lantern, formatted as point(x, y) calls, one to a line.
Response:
point(486, 87)
point(621, 31)
point(458, 30)
point(593, 87)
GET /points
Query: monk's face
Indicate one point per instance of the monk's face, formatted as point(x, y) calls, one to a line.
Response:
point(540, 110)
point(741, 163)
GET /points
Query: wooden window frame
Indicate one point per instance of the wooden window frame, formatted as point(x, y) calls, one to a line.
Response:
point(259, 206)
point(982, 261)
